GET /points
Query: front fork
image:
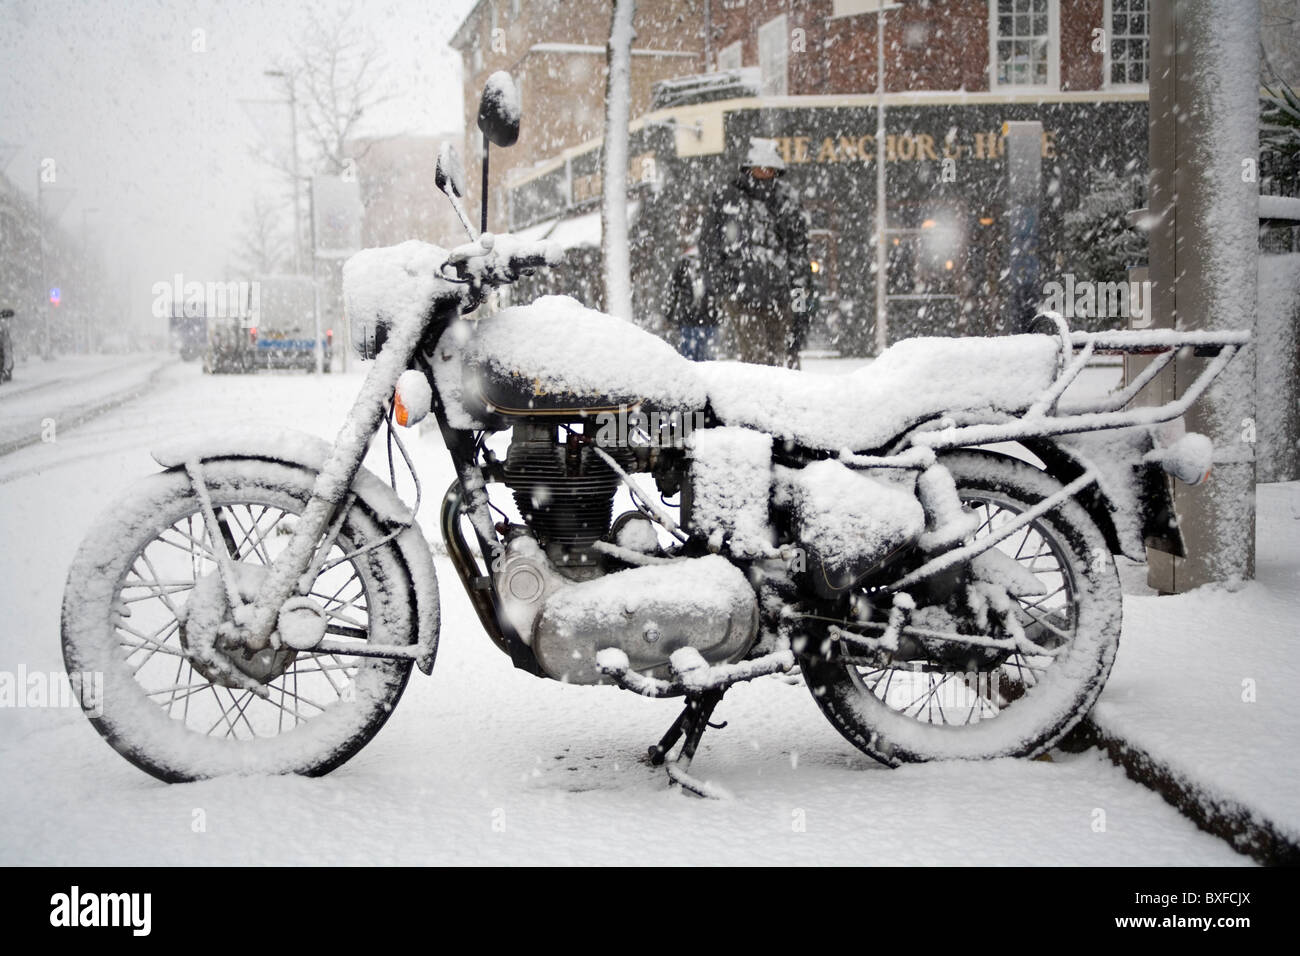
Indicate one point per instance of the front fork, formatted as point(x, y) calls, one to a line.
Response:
point(258, 620)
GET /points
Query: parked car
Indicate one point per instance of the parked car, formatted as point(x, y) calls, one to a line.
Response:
point(6, 346)
point(275, 331)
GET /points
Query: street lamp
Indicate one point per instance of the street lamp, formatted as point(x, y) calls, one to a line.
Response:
point(293, 140)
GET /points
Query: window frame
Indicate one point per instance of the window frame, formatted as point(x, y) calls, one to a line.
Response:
point(1053, 84)
point(1108, 12)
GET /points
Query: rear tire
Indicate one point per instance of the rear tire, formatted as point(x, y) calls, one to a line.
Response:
point(1028, 709)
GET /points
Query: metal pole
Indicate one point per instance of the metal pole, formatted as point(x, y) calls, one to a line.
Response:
point(708, 39)
point(297, 205)
point(293, 145)
point(315, 288)
point(482, 228)
point(882, 268)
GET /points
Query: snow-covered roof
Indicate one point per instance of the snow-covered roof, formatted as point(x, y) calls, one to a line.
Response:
point(576, 232)
point(535, 232)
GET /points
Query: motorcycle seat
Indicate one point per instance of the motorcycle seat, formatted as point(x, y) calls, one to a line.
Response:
point(912, 381)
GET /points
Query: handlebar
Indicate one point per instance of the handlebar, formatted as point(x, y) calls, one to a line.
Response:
point(497, 260)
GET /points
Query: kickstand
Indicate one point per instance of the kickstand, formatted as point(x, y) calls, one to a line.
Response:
point(692, 722)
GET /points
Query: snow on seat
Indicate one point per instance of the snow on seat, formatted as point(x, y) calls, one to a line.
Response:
point(913, 380)
point(556, 353)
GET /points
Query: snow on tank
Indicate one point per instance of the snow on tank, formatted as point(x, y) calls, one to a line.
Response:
point(555, 355)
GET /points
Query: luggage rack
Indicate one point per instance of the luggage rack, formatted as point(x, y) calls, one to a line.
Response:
point(1045, 418)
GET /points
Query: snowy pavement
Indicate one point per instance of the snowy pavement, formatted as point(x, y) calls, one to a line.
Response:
point(44, 397)
point(1205, 683)
point(483, 764)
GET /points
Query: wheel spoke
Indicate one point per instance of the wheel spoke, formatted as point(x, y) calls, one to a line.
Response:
point(225, 714)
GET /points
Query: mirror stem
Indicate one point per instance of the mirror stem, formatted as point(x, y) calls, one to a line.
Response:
point(483, 225)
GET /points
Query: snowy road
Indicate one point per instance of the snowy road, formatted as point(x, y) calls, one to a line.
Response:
point(44, 397)
point(481, 764)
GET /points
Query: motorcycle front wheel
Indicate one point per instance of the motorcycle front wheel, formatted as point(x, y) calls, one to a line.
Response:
point(1013, 705)
point(149, 561)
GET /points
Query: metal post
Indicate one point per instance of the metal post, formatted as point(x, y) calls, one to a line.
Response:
point(882, 268)
point(1024, 179)
point(315, 285)
point(297, 205)
point(482, 226)
point(708, 39)
point(1204, 260)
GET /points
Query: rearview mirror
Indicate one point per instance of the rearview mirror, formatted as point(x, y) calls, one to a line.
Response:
point(498, 110)
point(449, 175)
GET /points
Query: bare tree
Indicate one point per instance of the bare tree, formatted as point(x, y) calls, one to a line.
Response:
point(335, 77)
point(263, 245)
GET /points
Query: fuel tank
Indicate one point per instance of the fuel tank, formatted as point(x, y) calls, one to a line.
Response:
point(555, 357)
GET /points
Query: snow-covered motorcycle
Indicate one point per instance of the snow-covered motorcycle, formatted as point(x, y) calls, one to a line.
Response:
point(258, 605)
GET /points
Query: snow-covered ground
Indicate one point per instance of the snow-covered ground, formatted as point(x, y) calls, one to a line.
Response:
point(1207, 681)
point(482, 764)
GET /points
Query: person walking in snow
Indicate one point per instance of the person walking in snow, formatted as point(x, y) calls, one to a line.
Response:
point(688, 312)
point(754, 256)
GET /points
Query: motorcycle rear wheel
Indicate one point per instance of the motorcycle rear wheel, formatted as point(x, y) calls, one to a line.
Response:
point(1025, 704)
point(124, 613)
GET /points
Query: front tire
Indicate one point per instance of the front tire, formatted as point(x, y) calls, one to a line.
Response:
point(148, 563)
point(1023, 705)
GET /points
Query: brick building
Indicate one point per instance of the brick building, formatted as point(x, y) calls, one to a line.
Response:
point(708, 75)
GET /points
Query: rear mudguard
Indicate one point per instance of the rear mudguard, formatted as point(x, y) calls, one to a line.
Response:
point(1130, 508)
point(309, 453)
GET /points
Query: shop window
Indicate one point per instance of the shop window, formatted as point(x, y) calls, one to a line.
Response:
point(1128, 52)
point(1023, 48)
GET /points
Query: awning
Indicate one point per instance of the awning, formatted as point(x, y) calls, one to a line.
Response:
point(578, 232)
point(539, 231)
point(583, 231)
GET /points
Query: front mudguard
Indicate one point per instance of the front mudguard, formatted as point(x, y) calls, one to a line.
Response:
point(309, 453)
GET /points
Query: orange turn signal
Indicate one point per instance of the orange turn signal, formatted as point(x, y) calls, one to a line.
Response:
point(412, 399)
